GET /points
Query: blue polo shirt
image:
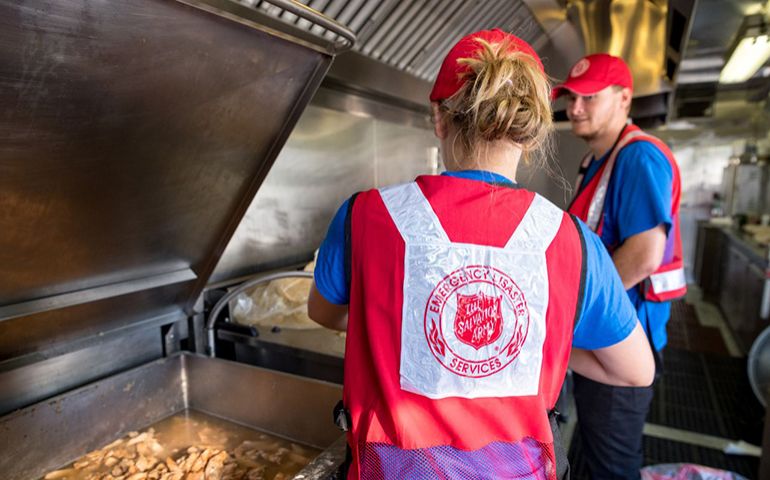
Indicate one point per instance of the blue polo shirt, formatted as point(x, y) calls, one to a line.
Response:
point(607, 316)
point(638, 199)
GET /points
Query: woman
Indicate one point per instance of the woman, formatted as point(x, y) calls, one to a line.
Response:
point(460, 292)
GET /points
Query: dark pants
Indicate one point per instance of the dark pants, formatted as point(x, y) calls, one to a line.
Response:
point(610, 422)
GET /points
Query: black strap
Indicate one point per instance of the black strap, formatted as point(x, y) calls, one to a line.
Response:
point(583, 270)
point(342, 470)
point(617, 140)
point(348, 247)
point(341, 414)
point(562, 462)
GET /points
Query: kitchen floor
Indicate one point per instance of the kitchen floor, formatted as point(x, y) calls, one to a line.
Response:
point(703, 404)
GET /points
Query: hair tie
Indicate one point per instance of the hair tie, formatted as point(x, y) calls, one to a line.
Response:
point(509, 81)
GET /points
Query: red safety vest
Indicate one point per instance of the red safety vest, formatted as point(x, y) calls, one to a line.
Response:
point(668, 281)
point(450, 374)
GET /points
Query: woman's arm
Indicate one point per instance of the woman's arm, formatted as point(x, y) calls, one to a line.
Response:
point(326, 313)
point(625, 364)
point(609, 343)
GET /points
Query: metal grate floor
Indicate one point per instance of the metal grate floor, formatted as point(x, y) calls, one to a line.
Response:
point(701, 391)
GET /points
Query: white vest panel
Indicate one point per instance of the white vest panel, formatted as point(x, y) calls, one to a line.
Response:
point(473, 319)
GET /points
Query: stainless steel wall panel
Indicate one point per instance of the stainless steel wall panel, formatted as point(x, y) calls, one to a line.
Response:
point(362, 76)
point(343, 101)
point(43, 379)
point(402, 153)
point(328, 158)
point(556, 184)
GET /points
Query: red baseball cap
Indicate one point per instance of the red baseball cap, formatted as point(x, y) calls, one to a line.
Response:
point(594, 73)
point(451, 75)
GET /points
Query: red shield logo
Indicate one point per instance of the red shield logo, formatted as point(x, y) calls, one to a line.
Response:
point(479, 319)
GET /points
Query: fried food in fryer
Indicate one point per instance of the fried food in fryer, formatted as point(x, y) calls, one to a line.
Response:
point(142, 457)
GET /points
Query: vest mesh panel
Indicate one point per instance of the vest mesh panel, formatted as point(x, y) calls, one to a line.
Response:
point(527, 459)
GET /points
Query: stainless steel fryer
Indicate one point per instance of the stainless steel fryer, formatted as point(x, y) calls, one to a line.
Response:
point(53, 433)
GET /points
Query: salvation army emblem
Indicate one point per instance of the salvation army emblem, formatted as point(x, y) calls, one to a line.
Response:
point(580, 68)
point(476, 321)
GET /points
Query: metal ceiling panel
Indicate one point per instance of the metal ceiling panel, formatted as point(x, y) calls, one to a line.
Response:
point(414, 35)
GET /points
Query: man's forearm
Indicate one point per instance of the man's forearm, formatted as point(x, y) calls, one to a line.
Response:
point(631, 271)
point(640, 255)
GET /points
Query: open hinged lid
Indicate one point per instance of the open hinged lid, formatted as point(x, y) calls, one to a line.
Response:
point(134, 136)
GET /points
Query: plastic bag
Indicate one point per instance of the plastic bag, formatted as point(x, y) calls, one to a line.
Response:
point(281, 303)
point(686, 471)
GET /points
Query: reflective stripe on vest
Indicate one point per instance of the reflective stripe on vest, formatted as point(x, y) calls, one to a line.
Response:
point(481, 308)
point(668, 281)
point(597, 202)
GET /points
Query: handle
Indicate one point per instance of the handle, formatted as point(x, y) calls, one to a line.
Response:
point(248, 330)
point(212, 321)
point(348, 38)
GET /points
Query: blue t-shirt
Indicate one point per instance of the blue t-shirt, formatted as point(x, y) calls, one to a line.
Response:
point(638, 199)
point(606, 317)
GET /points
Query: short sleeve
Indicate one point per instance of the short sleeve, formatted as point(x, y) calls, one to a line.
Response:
point(640, 190)
point(329, 271)
point(607, 315)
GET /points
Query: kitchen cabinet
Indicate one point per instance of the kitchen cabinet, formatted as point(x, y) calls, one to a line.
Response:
point(742, 280)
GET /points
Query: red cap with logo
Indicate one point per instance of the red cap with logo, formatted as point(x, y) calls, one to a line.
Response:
point(594, 73)
point(451, 75)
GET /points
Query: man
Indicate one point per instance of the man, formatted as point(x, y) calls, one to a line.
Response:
point(628, 193)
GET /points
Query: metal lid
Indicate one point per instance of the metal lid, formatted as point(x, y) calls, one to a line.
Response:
point(137, 135)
